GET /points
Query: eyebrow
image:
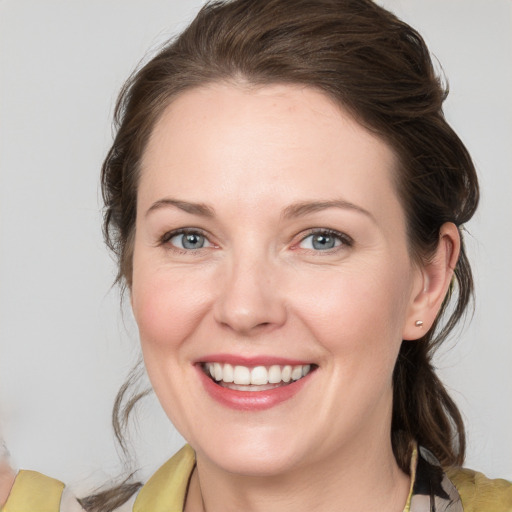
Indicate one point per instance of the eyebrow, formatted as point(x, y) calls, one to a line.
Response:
point(307, 207)
point(200, 209)
point(294, 210)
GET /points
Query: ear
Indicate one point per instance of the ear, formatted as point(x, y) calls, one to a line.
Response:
point(432, 283)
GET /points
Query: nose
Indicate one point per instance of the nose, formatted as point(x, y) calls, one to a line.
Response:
point(249, 299)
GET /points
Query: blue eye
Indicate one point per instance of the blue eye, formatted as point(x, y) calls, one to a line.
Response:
point(322, 241)
point(189, 240)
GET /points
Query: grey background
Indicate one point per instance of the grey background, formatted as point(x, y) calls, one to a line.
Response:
point(66, 345)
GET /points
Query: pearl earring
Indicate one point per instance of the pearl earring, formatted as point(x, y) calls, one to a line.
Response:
point(418, 323)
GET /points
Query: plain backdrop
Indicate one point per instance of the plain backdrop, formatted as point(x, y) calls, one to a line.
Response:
point(65, 342)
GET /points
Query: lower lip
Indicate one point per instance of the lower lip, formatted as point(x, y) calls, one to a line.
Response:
point(251, 400)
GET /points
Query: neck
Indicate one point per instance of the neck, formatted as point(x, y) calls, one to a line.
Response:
point(356, 479)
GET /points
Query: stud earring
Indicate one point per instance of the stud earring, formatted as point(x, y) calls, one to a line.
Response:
point(418, 323)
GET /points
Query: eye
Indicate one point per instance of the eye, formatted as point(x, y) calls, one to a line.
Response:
point(324, 240)
point(187, 240)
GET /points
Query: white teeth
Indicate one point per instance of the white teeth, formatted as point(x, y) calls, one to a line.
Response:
point(217, 370)
point(286, 374)
point(242, 375)
point(228, 373)
point(274, 374)
point(257, 375)
point(296, 372)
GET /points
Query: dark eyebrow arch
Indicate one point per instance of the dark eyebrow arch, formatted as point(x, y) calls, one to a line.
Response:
point(200, 209)
point(307, 207)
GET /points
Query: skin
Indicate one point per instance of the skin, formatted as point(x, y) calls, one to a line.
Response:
point(259, 288)
point(7, 477)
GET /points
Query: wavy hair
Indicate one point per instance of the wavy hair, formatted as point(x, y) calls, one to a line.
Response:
point(380, 70)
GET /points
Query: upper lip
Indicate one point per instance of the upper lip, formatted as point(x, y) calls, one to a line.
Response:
point(251, 361)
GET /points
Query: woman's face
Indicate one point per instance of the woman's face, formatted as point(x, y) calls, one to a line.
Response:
point(271, 244)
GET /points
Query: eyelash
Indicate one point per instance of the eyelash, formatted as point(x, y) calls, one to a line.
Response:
point(167, 237)
point(344, 239)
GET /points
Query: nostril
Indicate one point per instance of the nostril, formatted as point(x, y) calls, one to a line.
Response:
point(246, 309)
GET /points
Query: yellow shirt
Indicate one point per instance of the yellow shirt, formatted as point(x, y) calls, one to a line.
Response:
point(34, 492)
point(166, 490)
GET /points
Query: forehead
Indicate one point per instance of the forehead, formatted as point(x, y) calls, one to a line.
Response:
point(289, 142)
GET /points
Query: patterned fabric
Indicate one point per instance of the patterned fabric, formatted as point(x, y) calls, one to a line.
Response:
point(432, 491)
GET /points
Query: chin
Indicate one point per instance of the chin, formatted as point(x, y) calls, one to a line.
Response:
point(252, 455)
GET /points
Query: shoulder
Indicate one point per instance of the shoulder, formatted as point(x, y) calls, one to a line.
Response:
point(167, 488)
point(479, 493)
point(164, 491)
point(33, 491)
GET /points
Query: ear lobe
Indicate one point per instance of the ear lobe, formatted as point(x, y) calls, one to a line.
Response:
point(434, 278)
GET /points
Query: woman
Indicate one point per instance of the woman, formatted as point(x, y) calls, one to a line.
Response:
point(285, 199)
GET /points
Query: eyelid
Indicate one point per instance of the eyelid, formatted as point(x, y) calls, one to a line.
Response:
point(346, 240)
point(169, 235)
point(181, 231)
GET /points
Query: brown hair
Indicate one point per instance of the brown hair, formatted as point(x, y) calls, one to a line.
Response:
point(378, 68)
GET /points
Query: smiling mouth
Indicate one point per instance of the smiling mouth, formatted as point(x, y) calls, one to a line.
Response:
point(255, 378)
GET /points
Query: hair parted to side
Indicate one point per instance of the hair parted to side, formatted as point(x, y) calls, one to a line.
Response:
point(379, 69)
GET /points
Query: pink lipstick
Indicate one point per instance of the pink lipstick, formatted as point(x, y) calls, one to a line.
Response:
point(254, 383)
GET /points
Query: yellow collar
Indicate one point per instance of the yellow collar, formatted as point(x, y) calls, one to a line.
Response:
point(166, 490)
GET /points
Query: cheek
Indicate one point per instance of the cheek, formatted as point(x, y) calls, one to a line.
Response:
point(167, 307)
point(356, 315)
